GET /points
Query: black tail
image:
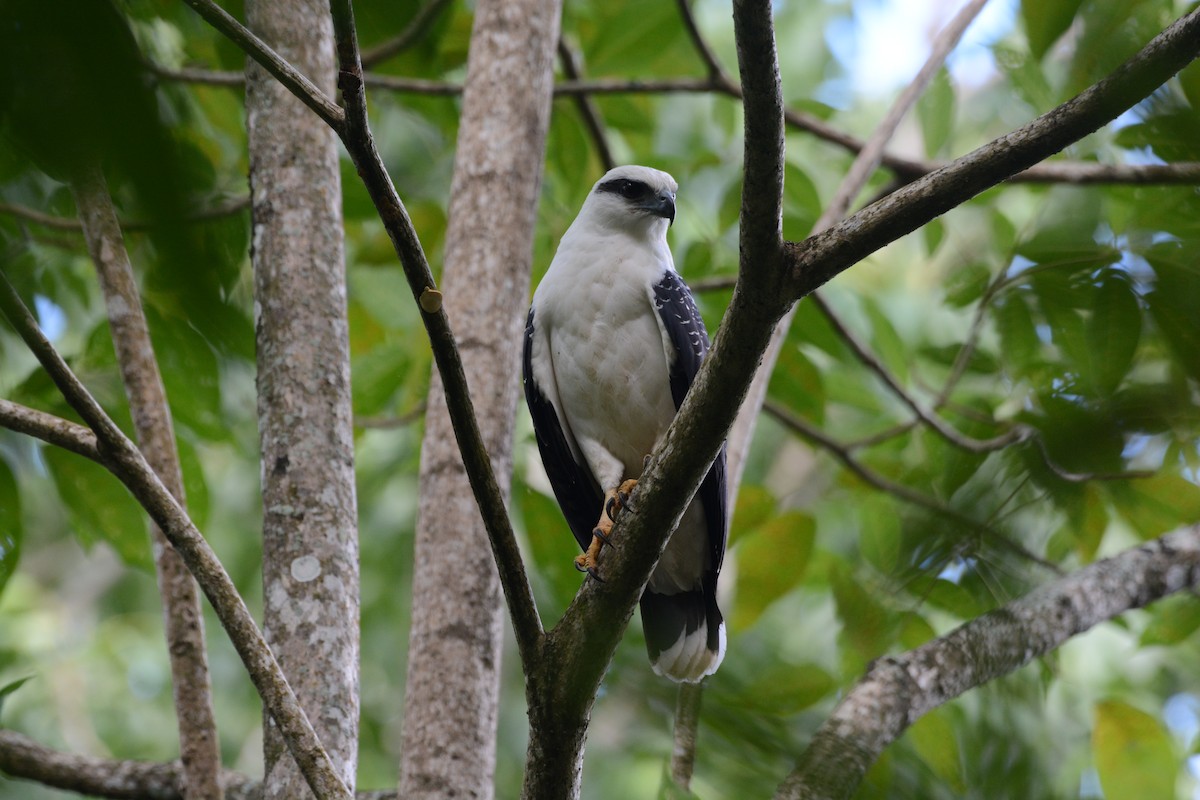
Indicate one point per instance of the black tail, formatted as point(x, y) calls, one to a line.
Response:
point(685, 633)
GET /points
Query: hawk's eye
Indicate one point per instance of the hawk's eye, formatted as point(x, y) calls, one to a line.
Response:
point(630, 190)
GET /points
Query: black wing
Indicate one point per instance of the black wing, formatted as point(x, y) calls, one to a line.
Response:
point(684, 326)
point(574, 486)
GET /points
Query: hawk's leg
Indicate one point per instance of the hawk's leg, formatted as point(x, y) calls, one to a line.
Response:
point(615, 501)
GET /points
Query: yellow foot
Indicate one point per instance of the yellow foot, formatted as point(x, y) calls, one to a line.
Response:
point(615, 501)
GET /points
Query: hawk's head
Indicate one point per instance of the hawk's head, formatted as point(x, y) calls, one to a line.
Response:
point(634, 199)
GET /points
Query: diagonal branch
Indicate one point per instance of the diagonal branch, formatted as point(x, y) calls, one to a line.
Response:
point(124, 460)
point(586, 106)
point(818, 259)
point(183, 621)
point(272, 62)
point(898, 690)
point(356, 135)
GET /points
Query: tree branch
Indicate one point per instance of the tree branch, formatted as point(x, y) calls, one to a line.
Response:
point(183, 621)
point(50, 429)
point(272, 62)
point(415, 29)
point(124, 460)
point(586, 106)
point(356, 135)
point(23, 758)
point(897, 691)
point(819, 258)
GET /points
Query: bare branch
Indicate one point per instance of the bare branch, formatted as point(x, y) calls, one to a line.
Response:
point(356, 135)
point(125, 461)
point(586, 106)
point(182, 618)
point(687, 721)
point(416, 28)
point(25, 759)
point(898, 690)
point(272, 62)
point(821, 257)
point(50, 429)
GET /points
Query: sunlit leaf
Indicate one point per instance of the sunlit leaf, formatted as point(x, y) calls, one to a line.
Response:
point(1134, 754)
point(754, 506)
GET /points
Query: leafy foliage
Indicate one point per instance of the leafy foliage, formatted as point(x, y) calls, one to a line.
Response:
point(1065, 313)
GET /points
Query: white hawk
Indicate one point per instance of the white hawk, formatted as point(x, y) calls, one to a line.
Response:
point(612, 344)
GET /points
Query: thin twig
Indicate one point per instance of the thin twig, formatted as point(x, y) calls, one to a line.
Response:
point(388, 423)
point(415, 29)
point(909, 495)
point(123, 459)
point(223, 209)
point(586, 106)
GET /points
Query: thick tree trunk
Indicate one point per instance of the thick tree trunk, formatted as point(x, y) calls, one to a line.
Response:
point(310, 544)
point(454, 654)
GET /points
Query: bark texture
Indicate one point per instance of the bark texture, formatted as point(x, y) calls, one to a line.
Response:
point(199, 747)
point(454, 652)
point(310, 542)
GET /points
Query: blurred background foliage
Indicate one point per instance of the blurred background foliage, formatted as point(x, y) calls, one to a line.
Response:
point(1065, 316)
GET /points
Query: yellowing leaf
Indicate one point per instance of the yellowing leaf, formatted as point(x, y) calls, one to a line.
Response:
point(1134, 755)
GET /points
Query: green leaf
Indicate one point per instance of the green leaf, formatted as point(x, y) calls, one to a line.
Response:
point(934, 232)
point(967, 284)
point(7, 689)
point(934, 738)
point(1173, 304)
point(879, 534)
point(754, 506)
point(797, 383)
point(801, 203)
point(10, 524)
point(865, 623)
point(1045, 21)
point(100, 507)
point(935, 110)
point(886, 341)
point(787, 688)
point(1134, 755)
point(1113, 331)
point(770, 563)
point(1020, 345)
point(1158, 504)
point(1174, 619)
